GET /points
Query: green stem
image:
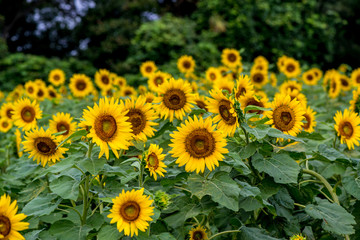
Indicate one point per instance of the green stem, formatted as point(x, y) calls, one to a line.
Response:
point(334, 143)
point(85, 190)
point(246, 134)
point(299, 205)
point(184, 189)
point(207, 175)
point(141, 173)
point(225, 232)
point(91, 145)
point(63, 205)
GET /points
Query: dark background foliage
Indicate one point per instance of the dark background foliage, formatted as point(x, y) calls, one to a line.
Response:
point(119, 34)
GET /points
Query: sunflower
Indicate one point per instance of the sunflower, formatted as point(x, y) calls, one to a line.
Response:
point(26, 114)
point(57, 77)
point(52, 93)
point(317, 72)
point(80, 85)
point(231, 58)
point(286, 115)
point(291, 68)
point(119, 82)
point(200, 101)
point(147, 68)
point(41, 93)
point(309, 119)
point(334, 85)
point(345, 82)
point(103, 80)
point(31, 89)
point(109, 126)
point(343, 67)
point(154, 161)
point(347, 128)
point(355, 77)
point(15, 94)
point(259, 78)
point(355, 102)
point(198, 233)
point(132, 211)
point(250, 99)
point(128, 91)
point(40, 82)
point(194, 86)
point(5, 125)
point(142, 89)
point(309, 78)
point(197, 144)
point(224, 84)
point(186, 64)
point(149, 96)
point(260, 67)
point(281, 63)
point(157, 79)
point(290, 85)
point(43, 146)
point(261, 60)
point(62, 122)
point(141, 115)
point(224, 109)
point(295, 94)
point(18, 142)
point(11, 222)
point(175, 99)
point(273, 79)
point(298, 237)
point(7, 110)
point(1, 95)
point(213, 74)
point(243, 86)
point(328, 75)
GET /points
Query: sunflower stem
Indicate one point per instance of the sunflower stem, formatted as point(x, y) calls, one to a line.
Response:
point(246, 134)
point(141, 173)
point(85, 191)
point(225, 232)
point(91, 145)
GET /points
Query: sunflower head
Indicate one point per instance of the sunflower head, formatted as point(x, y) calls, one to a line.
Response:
point(198, 233)
point(186, 64)
point(231, 58)
point(345, 82)
point(103, 79)
point(291, 68)
point(62, 122)
point(57, 77)
point(5, 124)
point(7, 110)
point(243, 86)
point(26, 114)
point(309, 78)
point(259, 78)
point(119, 82)
point(157, 79)
point(224, 85)
point(147, 68)
point(309, 120)
point(251, 99)
point(31, 89)
point(80, 85)
point(213, 74)
point(162, 200)
point(355, 77)
point(154, 161)
point(355, 102)
point(347, 128)
point(290, 86)
point(334, 84)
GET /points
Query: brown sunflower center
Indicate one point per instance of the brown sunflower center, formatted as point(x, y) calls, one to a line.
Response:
point(198, 235)
point(52, 94)
point(149, 99)
point(212, 76)
point(226, 115)
point(80, 85)
point(186, 64)
point(62, 126)
point(290, 68)
point(358, 79)
point(174, 99)
point(333, 86)
point(105, 79)
point(56, 77)
point(201, 104)
point(253, 102)
point(153, 160)
point(346, 129)
point(307, 121)
point(284, 118)
point(200, 143)
point(258, 78)
point(9, 113)
point(130, 211)
point(40, 93)
point(344, 82)
point(5, 124)
point(105, 127)
point(148, 69)
point(128, 92)
point(158, 81)
point(45, 145)
point(309, 77)
point(5, 226)
point(231, 57)
point(137, 119)
point(28, 114)
point(240, 92)
point(30, 89)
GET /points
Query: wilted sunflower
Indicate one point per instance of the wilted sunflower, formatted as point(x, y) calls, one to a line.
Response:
point(131, 211)
point(198, 233)
point(5, 125)
point(26, 114)
point(62, 122)
point(141, 115)
point(103, 80)
point(42, 146)
point(147, 68)
point(290, 85)
point(224, 109)
point(200, 101)
point(11, 222)
point(231, 57)
point(291, 68)
point(345, 82)
point(355, 102)
point(281, 63)
point(259, 78)
point(80, 85)
point(7, 110)
point(31, 89)
point(197, 144)
point(243, 86)
point(355, 77)
point(157, 79)
point(109, 126)
point(213, 74)
point(57, 77)
point(250, 99)
point(175, 99)
point(224, 84)
point(347, 128)
point(186, 64)
point(286, 115)
point(119, 82)
point(18, 142)
point(154, 161)
point(309, 120)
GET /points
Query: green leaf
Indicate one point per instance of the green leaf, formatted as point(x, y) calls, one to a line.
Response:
point(248, 150)
point(253, 107)
point(221, 188)
point(250, 233)
point(93, 165)
point(109, 232)
point(66, 187)
point(352, 185)
point(330, 153)
point(33, 235)
point(281, 167)
point(65, 230)
point(41, 206)
point(76, 135)
point(335, 218)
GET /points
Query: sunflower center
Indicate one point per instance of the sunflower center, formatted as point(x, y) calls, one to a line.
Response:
point(224, 110)
point(201, 104)
point(105, 127)
point(255, 103)
point(52, 94)
point(226, 89)
point(186, 64)
point(62, 126)
point(158, 81)
point(5, 225)
point(309, 77)
point(333, 86)
point(105, 80)
point(307, 121)
point(212, 76)
point(137, 119)
point(358, 79)
point(127, 93)
point(240, 92)
point(40, 93)
point(344, 82)
point(9, 113)
point(290, 68)
point(174, 99)
point(231, 57)
point(153, 160)
point(5, 124)
point(197, 235)
point(130, 211)
point(80, 85)
point(346, 129)
point(284, 118)
point(148, 69)
point(45, 145)
point(258, 78)
point(28, 114)
point(56, 77)
point(30, 90)
point(200, 143)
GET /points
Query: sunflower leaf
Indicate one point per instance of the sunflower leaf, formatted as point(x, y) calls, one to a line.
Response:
point(77, 135)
